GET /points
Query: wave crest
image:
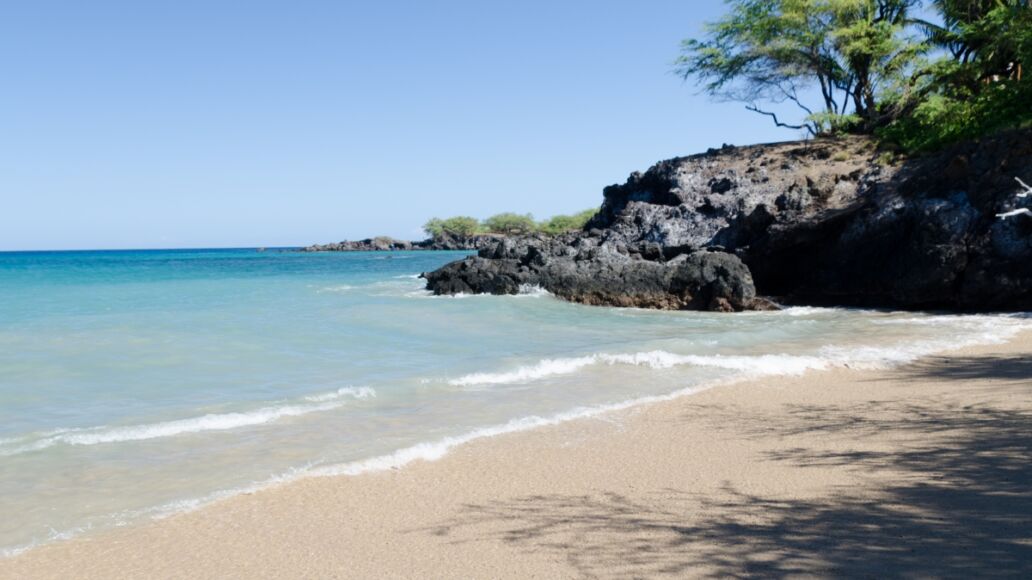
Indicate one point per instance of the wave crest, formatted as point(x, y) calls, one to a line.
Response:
point(657, 359)
point(188, 426)
point(983, 330)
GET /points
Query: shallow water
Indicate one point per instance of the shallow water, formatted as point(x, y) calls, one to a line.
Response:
point(135, 384)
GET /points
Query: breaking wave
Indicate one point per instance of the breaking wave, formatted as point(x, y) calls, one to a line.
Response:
point(188, 426)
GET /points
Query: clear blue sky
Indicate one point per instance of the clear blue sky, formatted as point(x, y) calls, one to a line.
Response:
point(217, 123)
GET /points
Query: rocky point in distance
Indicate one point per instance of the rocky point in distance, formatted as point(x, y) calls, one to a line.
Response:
point(832, 222)
point(445, 241)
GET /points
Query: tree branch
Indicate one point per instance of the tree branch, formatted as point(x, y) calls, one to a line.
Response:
point(755, 109)
point(794, 97)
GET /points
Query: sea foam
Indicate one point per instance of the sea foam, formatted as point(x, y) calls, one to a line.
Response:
point(978, 330)
point(210, 422)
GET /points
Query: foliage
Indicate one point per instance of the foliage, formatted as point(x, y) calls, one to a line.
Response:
point(507, 223)
point(877, 68)
point(852, 51)
point(978, 86)
point(941, 119)
point(463, 226)
point(566, 223)
point(510, 223)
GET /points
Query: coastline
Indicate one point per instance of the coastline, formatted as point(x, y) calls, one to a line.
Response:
point(920, 469)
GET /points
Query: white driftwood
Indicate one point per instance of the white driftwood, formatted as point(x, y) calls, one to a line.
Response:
point(1028, 188)
point(1020, 211)
point(1014, 212)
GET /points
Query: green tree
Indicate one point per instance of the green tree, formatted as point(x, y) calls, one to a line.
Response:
point(978, 85)
point(854, 52)
point(434, 227)
point(510, 223)
point(987, 39)
point(463, 226)
point(566, 223)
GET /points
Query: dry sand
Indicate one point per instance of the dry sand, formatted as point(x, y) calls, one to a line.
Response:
point(921, 471)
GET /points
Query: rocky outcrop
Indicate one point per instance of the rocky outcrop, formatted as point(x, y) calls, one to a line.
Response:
point(378, 244)
point(582, 269)
point(445, 241)
point(822, 222)
point(449, 241)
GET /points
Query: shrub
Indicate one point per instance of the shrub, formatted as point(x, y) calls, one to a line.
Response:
point(566, 223)
point(464, 226)
point(510, 223)
point(943, 119)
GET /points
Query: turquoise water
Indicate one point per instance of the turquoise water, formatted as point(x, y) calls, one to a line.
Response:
point(135, 384)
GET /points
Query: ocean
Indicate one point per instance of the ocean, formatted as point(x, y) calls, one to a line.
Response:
point(139, 384)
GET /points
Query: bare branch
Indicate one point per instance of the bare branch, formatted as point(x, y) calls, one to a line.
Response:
point(755, 109)
point(793, 96)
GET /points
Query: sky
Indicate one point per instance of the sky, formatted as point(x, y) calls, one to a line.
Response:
point(242, 124)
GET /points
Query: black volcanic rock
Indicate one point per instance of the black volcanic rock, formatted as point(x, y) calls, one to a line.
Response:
point(819, 222)
point(576, 268)
point(444, 241)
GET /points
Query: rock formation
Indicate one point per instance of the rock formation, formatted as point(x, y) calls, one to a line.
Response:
point(444, 241)
point(827, 222)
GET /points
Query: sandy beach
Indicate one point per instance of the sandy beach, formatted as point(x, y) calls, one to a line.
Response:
point(924, 470)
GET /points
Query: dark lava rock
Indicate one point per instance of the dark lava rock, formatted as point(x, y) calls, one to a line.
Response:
point(818, 222)
point(576, 268)
point(444, 241)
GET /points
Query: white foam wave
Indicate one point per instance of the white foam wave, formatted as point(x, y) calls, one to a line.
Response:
point(353, 392)
point(425, 451)
point(803, 310)
point(210, 422)
point(542, 369)
point(975, 330)
point(337, 289)
point(657, 359)
point(525, 291)
point(532, 291)
point(434, 450)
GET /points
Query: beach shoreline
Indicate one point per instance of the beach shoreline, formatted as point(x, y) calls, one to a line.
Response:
point(921, 469)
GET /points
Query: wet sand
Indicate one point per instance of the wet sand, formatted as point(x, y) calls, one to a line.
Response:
point(924, 470)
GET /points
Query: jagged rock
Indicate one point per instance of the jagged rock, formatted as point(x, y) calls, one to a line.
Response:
point(820, 222)
point(578, 269)
point(444, 241)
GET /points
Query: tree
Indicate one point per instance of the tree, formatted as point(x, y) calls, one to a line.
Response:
point(987, 39)
point(510, 223)
point(853, 52)
point(977, 85)
point(434, 227)
point(463, 226)
point(566, 223)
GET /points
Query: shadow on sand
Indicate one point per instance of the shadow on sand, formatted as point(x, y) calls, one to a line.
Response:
point(965, 368)
point(958, 507)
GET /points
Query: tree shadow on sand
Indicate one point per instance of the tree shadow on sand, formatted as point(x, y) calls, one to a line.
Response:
point(1001, 368)
point(960, 506)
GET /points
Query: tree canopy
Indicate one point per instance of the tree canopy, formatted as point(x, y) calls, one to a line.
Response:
point(510, 223)
point(507, 223)
point(463, 226)
point(566, 223)
point(861, 65)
